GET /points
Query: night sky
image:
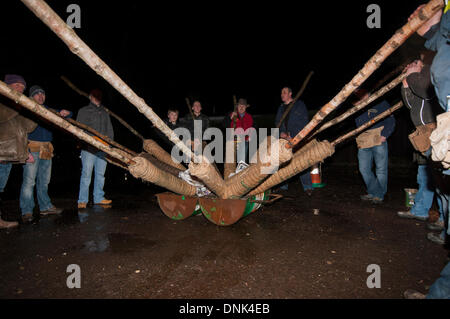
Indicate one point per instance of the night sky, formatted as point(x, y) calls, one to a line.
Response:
point(204, 50)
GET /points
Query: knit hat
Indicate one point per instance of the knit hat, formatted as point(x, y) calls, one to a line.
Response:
point(14, 78)
point(35, 89)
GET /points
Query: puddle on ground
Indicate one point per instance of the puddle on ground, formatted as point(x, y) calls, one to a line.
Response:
point(117, 243)
point(123, 243)
point(67, 217)
point(75, 216)
point(98, 245)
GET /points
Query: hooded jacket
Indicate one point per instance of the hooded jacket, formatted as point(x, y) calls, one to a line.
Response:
point(420, 98)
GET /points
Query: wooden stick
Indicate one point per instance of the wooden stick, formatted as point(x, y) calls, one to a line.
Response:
point(190, 108)
point(313, 153)
point(78, 47)
point(369, 123)
point(360, 105)
point(105, 138)
point(61, 122)
point(299, 93)
point(122, 121)
point(234, 119)
point(390, 46)
point(398, 69)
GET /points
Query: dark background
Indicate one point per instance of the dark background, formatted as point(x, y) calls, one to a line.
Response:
point(168, 51)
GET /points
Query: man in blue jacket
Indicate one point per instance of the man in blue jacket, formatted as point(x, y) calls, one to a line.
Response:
point(293, 123)
point(38, 171)
point(373, 148)
point(437, 32)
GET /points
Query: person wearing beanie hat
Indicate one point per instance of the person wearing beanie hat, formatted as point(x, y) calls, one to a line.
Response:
point(13, 137)
point(38, 172)
point(95, 116)
point(13, 79)
point(35, 89)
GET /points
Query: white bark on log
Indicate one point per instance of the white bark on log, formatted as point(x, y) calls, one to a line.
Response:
point(390, 46)
point(82, 50)
point(368, 124)
point(360, 105)
point(118, 118)
point(59, 121)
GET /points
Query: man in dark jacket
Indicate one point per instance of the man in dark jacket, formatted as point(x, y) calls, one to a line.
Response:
point(95, 116)
point(373, 148)
point(293, 123)
point(437, 32)
point(38, 172)
point(13, 137)
point(190, 122)
point(419, 97)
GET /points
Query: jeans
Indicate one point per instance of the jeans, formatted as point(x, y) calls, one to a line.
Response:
point(424, 197)
point(440, 289)
point(445, 200)
point(5, 169)
point(37, 173)
point(376, 183)
point(97, 163)
point(305, 179)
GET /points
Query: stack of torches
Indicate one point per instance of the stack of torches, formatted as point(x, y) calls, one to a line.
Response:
point(157, 166)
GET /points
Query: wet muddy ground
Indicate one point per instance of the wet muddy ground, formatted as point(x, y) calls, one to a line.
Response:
point(286, 250)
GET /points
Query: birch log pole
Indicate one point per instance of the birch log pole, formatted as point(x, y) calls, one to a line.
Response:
point(61, 122)
point(369, 123)
point(105, 138)
point(375, 61)
point(117, 117)
point(360, 105)
point(314, 153)
point(82, 50)
point(397, 70)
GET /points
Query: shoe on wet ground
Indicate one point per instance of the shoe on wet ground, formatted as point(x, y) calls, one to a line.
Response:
point(366, 197)
point(5, 224)
point(27, 218)
point(376, 200)
point(437, 225)
point(413, 294)
point(82, 205)
point(52, 211)
point(408, 214)
point(436, 238)
point(104, 202)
